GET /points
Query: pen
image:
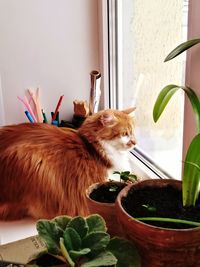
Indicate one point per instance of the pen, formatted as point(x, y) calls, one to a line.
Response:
point(57, 107)
point(28, 115)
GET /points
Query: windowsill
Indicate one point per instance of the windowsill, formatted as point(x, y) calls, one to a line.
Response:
point(11, 231)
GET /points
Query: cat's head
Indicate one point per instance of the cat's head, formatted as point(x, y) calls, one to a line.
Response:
point(111, 127)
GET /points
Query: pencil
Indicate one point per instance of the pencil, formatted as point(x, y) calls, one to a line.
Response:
point(57, 107)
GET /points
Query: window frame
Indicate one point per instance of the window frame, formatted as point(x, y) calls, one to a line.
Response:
point(111, 63)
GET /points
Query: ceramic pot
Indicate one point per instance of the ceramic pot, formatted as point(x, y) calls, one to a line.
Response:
point(106, 210)
point(160, 247)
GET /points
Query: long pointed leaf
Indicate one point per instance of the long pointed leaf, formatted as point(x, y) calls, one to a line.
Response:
point(165, 95)
point(191, 174)
point(181, 48)
point(162, 100)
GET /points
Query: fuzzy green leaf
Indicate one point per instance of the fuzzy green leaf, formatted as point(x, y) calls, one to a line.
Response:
point(96, 223)
point(50, 233)
point(181, 48)
point(165, 95)
point(62, 221)
point(191, 173)
point(79, 224)
point(75, 254)
point(72, 239)
point(125, 252)
point(96, 241)
point(105, 258)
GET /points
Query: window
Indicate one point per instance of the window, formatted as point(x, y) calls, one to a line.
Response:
point(141, 34)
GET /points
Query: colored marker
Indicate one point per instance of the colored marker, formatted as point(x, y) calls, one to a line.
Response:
point(28, 115)
point(44, 117)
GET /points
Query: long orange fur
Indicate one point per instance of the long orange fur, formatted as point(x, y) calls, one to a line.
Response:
point(45, 170)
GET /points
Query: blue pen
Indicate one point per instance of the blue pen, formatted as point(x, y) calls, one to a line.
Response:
point(28, 115)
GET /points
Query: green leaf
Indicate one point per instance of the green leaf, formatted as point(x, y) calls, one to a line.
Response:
point(96, 241)
point(172, 220)
point(62, 221)
point(72, 239)
point(96, 223)
point(181, 48)
point(125, 252)
point(116, 172)
point(126, 173)
point(65, 253)
point(79, 224)
point(191, 173)
point(132, 177)
point(163, 98)
point(75, 254)
point(105, 258)
point(165, 95)
point(51, 234)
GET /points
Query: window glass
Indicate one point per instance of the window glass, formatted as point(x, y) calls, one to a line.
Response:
point(149, 31)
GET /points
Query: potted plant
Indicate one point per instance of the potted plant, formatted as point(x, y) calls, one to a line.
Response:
point(163, 216)
point(101, 199)
point(84, 242)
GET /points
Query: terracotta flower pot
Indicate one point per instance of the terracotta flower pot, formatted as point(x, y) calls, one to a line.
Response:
point(160, 246)
point(106, 210)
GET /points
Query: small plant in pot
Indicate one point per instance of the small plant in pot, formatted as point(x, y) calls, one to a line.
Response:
point(101, 199)
point(162, 216)
point(84, 242)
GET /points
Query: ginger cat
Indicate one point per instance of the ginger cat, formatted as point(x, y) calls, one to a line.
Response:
point(45, 170)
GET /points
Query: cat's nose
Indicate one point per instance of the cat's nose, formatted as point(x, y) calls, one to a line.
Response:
point(132, 142)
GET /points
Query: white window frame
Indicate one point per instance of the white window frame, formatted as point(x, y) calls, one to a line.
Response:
point(110, 65)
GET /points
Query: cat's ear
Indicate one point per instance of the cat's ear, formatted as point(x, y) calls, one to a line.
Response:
point(107, 119)
point(130, 111)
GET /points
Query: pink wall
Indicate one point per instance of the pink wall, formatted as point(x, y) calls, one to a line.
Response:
point(193, 71)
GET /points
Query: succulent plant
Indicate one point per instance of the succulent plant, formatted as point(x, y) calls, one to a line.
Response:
point(80, 241)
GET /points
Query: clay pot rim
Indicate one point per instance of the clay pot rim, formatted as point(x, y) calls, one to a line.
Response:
point(125, 191)
point(96, 185)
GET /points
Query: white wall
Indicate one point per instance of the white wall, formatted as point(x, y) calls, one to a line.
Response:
point(51, 44)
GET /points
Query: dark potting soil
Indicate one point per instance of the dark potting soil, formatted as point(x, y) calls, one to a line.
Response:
point(107, 193)
point(163, 202)
point(47, 260)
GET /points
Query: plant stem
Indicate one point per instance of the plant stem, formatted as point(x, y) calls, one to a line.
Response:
point(160, 219)
point(65, 253)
